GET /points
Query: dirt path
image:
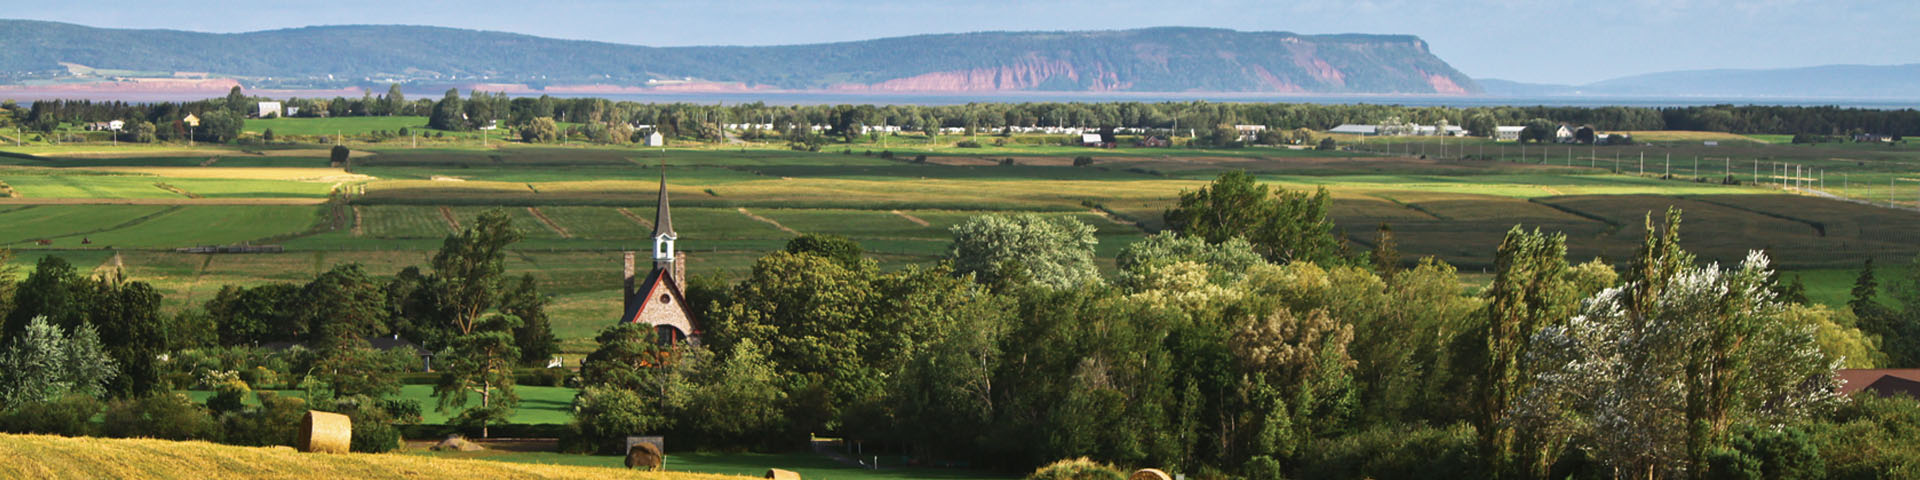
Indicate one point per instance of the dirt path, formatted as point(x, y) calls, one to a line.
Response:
point(452, 221)
point(769, 221)
point(637, 219)
point(911, 218)
point(550, 223)
point(357, 231)
point(174, 189)
point(1116, 220)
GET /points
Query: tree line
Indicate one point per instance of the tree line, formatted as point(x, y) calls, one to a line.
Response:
point(477, 109)
point(1248, 341)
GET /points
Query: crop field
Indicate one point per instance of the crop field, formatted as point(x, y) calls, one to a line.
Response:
point(578, 206)
point(808, 465)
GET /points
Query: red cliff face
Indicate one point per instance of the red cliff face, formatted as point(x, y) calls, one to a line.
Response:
point(1442, 84)
point(1024, 75)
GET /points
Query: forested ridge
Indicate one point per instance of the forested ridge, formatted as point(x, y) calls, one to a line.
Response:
point(1151, 60)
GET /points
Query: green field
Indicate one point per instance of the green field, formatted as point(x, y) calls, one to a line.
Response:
point(333, 126)
point(578, 206)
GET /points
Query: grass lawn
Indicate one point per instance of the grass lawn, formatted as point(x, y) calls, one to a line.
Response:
point(332, 126)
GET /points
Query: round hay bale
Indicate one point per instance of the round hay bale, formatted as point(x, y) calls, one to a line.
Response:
point(1149, 474)
point(324, 432)
point(644, 455)
point(778, 474)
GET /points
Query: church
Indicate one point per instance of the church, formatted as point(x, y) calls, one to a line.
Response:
point(659, 298)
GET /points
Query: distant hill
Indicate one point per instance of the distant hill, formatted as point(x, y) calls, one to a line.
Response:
point(1148, 60)
point(1836, 81)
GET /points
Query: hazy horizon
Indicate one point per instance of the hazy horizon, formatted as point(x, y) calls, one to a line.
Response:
point(1558, 42)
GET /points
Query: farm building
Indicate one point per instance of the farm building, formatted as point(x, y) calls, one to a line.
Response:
point(655, 139)
point(1354, 129)
point(1507, 133)
point(1092, 140)
point(1885, 382)
point(1563, 134)
point(268, 110)
point(659, 299)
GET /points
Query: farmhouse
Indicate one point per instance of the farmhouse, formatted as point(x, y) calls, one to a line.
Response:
point(1563, 134)
point(268, 110)
point(1507, 133)
point(659, 299)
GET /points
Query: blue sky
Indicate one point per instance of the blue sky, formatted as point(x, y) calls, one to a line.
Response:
point(1548, 41)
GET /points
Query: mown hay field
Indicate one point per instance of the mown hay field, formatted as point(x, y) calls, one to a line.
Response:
point(53, 457)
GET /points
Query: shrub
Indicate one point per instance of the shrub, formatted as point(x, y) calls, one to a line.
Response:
point(1756, 453)
point(71, 416)
point(1871, 437)
point(166, 416)
point(373, 431)
point(1077, 469)
point(919, 159)
point(967, 144)
point(1082, 161)
point(1398, 452)
point(549, 377)
point(402, 411)
point(271, 423)
point(1006, 162)
point(604, 417)
point(230, 396)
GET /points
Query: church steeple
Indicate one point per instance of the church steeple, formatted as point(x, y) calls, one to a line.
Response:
point(663, 234)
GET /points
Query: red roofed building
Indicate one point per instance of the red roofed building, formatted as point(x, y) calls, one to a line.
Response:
point(1884, 382)
point(659, 299)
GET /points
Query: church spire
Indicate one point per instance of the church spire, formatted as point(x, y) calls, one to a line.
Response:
point(663, 218)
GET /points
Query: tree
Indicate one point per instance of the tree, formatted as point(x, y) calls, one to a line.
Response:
point(396, 102)
point(340, 156)
point(534, 336)
point(131, 327)
point(1538, 130)
point(449, 113)
point(480, 362)
point(1326, 144)
point(834, 247)
point(49, 291)
point(1056, 252)
point(341, 306)
point(469, 271)
point(1284, 226)
point(45, 363)
point(1480, 125)
point(740, 400)
point(1225, 263)
point(219, 126)
point(1530, 288)
point(1651, 376)
point(1386, 254)
point(540, 130)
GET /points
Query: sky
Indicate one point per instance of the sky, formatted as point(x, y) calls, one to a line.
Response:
point(1539, 41)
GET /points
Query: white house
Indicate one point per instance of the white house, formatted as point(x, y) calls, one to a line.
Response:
point(1352, 129)
point(655, 139)
point(268, 110)
point(1563, 134)
point(1507, 133)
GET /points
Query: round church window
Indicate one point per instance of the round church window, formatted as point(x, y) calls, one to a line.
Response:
point(664, 298)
